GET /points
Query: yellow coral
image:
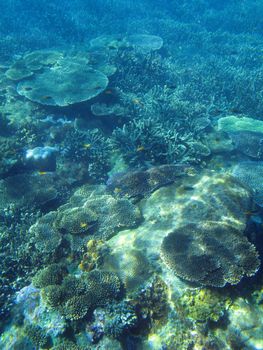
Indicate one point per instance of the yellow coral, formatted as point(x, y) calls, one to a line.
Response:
point(92, 256)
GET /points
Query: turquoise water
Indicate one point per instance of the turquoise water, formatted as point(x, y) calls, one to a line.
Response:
point(131, 163)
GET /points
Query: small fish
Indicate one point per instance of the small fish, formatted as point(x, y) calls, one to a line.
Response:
point(117, 190)
point(137, 102)
point(183, 189)
point(27, 88)
point(108, 92)
point(251, 212)
point(45, 97)
point(83, 225)
point(91, 244)
point(235, 110)
point(42, 172)
point(140, 148)
point(190, 171)
point(87, 145)
point(112, 47)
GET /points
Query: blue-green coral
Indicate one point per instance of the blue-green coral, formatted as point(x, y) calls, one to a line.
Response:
point(74, 297)
point(210, 254)
point(148, 141)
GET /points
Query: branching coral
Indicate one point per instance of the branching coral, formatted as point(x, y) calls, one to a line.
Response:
point(142, 142)
point(90, 148)
point(121, 319)
point(50, 275)
point(37, 336)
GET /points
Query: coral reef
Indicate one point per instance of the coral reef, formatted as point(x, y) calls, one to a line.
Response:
point(104, 110)
point(74, 297)
point(28, 190)
point(137, 184)
point(25, 66)
point(76, 221)
point(218, 198)
point(69, 71)
point(44, 236)
point(93, 256)
point(210, 253)
point(17, 133)
point(203, 305)
point(51, 275)
point(103, 286)
point(145, 310)
point(37, 336)
point(67, 345)
point(249, 173)
point(152, 302)
point(235, 124)
point(249, 143)
point(100, 215)
point(144, 42)
point(147, 141)
point(80, 105)
point(121, 320)
point(90, 149)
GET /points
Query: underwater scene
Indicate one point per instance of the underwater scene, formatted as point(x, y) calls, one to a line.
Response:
point(131, 175)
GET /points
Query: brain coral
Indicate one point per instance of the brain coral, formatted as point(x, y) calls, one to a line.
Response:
point(64, 84)
point(209, 253)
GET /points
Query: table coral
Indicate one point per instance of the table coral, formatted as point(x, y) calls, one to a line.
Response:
point(210, 253)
